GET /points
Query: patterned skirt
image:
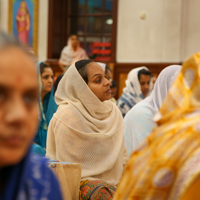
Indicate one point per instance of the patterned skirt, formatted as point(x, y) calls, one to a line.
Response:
point(97, 190)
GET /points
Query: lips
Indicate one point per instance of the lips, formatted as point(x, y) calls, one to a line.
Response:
point(108, 91)
point(14, 140)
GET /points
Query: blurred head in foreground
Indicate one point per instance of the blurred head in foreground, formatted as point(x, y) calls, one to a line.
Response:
point(18, 100)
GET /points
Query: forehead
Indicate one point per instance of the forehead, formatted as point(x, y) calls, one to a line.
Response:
point(74, 37)
point(94, 68)
point(17, 68)
point(144, 77)
point(47, 70)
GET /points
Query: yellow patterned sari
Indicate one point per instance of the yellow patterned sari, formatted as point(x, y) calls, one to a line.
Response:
point(166, 166)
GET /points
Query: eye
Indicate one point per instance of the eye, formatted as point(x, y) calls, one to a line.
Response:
point(98, 80)
point(29, 99)
point(2, 95)
point(45, 77)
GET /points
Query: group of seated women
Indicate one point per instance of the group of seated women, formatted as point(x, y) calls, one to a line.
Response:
point(81, 125)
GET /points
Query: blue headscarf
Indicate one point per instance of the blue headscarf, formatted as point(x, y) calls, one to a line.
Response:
point(30, 179)
point(47, 109)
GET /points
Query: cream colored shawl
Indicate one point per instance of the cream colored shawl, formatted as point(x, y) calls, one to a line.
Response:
point(87, 131)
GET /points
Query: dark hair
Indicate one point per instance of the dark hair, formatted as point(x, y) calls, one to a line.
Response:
point(107, 69)
point(81, 67)
point(43, 66)
point(144, 72)
point(58, 79)
point(114, 84)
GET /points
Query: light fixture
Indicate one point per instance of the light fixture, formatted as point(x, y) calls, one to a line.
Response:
point(109, 21)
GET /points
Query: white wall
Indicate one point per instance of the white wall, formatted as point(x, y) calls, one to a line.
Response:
point(42, 25)
point(43, 29)
point(190, 28)
point(4, 15)
point(153, 39)
point(169, 33)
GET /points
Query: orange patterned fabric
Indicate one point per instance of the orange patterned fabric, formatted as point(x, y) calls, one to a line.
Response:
point(96, 190)
point(167, 164)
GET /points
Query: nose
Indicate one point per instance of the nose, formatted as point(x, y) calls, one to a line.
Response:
point(17, 112)
point(147, 86)
point(107, 82)
point(50, 80)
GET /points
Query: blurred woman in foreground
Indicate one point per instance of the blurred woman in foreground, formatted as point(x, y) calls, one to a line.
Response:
point(22, 176)
point(166, 166)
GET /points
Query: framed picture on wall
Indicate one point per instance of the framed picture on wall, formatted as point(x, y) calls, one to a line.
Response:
point(23, 22)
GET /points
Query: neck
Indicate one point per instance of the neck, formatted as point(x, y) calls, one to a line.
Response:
point(42, 96)
point(75, 47)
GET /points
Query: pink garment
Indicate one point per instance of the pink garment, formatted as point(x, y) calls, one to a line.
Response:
point(22, 27)
point(69, 56)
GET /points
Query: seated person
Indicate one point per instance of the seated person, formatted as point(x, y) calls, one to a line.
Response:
point(137, 88)
point(47, 106)
point(166, 166)
point(22, 175)
point(72, 52)
point(138, 122)
point(88, 129)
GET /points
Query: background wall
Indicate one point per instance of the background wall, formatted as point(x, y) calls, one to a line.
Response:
point(42, 25)
point(148, 31)
point(190, 28)
point(169, 33)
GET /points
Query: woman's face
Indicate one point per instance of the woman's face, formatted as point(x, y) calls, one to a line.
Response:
point(23, 4)
point(47, 80)
point(97, 82)
point(18, 104)
point(74, 40)
point(145, 84)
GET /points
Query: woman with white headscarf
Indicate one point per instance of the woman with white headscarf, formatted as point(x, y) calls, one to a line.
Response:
point(88, 129)
point(72, 52)
point(138, 123)
point(138, 86)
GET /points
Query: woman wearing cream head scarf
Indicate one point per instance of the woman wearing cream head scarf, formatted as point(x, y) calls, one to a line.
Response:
point(167, 165)
point(138, 122)
point(88, 129)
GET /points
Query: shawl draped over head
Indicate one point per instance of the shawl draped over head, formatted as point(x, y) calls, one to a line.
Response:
point(69, 56)
point(30, 179)
point(132, 93)
point(167, 165)
point(138, 123)
point(47, 109)
point(87, 131)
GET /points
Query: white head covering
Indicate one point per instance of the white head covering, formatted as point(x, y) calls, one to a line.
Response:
point(103, 65)
point(133, 85)
point(139, 120)
point(69, 56)
point(87, 131)
point(132, 93)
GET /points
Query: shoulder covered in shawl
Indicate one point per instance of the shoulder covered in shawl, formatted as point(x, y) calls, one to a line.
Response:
point(75, 119)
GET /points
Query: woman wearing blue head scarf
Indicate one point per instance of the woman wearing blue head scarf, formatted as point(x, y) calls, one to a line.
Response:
point(47, 107)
